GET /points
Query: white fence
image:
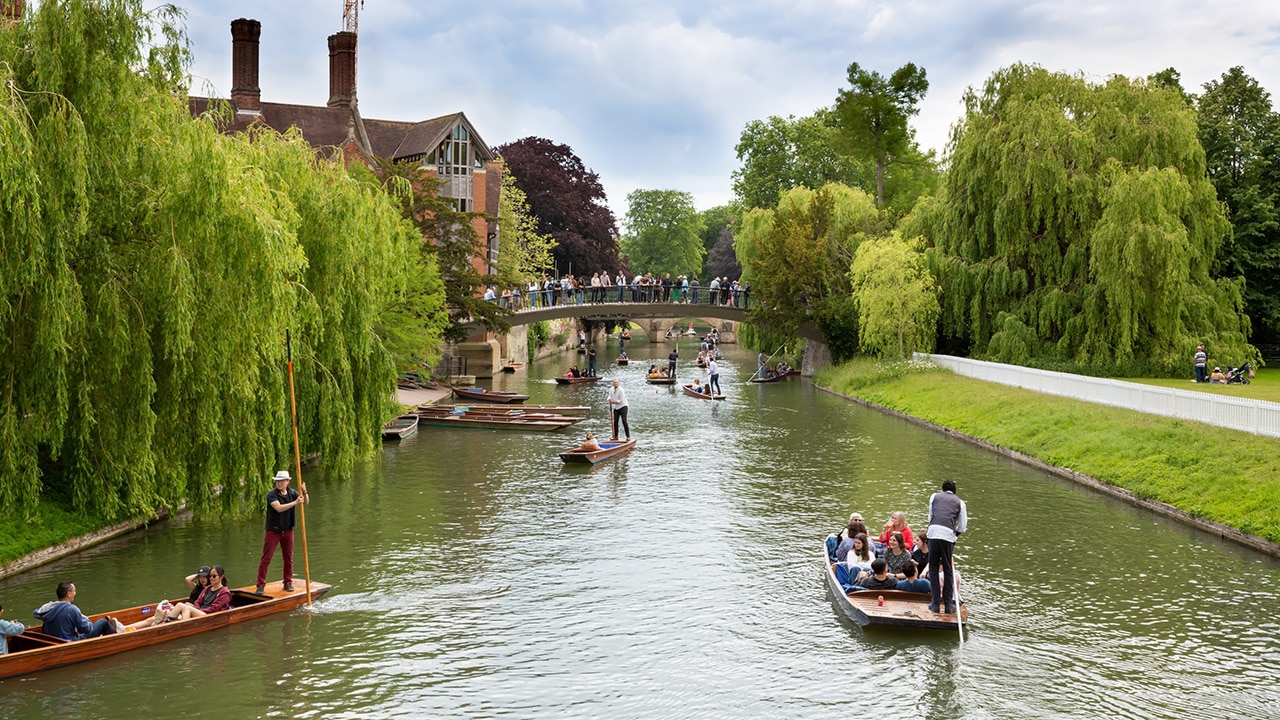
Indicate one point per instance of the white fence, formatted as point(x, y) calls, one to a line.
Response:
point(1254, 416)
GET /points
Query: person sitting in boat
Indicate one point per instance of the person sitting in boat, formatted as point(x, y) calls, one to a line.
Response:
point(697, 386)
point(920, 555)
point(856, 561)
point(215, 598)
point(653, 371)
point(622, 355)
point(8, 628)
point(62, 619)
point(896, 556)
point(898, 523)
point(913, 582)
point(589, 444)
point(196, 583)
point(877, 578)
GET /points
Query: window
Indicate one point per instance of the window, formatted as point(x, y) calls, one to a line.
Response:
point(453, 160)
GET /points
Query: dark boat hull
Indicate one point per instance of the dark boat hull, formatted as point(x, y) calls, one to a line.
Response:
point(688, 390)
point(576, 380)
point(775, 378)
point(660, 380)
point(33, 651)
point(489, 396)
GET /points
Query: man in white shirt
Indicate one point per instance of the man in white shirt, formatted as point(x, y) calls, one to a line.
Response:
point(618, 404)
point(713, 385)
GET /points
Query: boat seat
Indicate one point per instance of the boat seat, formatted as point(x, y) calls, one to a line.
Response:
point(33, 640)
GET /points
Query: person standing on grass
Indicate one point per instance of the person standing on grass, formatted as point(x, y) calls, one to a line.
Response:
point(948, 518)
point(1202, 364)
point(281, 501)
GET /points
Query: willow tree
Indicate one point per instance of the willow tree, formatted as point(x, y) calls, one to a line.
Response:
point(1076, 223)
point(150, 267)
point(797, 258)
point(896, 295)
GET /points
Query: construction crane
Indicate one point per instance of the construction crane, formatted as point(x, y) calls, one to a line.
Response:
point(351, 14)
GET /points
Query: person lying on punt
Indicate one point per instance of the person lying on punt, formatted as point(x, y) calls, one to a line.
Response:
point(215, 598)
point(589, 444)
point(697, 386)
point(62, 619)
point(197, 582)
point(914, 583)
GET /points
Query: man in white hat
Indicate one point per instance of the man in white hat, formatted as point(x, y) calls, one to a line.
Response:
point(280, 521)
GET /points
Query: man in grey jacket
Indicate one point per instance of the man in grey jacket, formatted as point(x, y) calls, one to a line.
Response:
point(948, 518)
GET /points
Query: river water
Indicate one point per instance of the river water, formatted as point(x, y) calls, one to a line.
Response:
point(475, 576)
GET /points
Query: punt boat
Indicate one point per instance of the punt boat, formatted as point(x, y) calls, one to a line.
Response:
point(562, 380)
point(400, 428)
point(608, 449)
point(659, 380)
point(493, 396)
point(688, 390)
point(899, 609)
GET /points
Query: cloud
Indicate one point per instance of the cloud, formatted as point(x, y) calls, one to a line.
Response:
point(655, 94)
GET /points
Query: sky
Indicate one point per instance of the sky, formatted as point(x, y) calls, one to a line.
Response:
point(655, 94)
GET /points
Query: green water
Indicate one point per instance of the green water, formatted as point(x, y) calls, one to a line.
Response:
point(475, 576)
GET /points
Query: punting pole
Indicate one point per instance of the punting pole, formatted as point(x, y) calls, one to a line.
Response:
point(766, 362)
point(297, 461)
point(955, 584)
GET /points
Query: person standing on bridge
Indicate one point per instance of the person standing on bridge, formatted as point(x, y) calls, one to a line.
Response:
point(621, 282)
point(618, 404)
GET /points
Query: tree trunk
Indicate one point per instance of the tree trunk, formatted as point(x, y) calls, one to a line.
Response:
point(880, 181)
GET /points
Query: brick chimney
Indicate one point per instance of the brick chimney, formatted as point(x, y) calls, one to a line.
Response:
point(12, 9)
point(245, 93)
point(342, 68)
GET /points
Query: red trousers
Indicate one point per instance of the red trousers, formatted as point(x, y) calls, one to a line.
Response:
point(269, 543)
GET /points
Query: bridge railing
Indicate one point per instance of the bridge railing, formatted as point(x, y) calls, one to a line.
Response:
point(702, 296)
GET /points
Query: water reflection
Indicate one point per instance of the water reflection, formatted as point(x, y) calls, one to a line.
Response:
point(477, 576)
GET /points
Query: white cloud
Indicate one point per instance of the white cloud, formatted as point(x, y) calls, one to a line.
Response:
point(654, 94)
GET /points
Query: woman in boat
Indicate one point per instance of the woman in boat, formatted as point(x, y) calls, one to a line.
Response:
point(697, 386)
point(898, 523)
point(589, 444)
point(897, 556)
point(860, 557)
point(215, 598)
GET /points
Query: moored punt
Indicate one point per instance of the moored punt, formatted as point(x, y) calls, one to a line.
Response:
point(900, 609)
point(608, 449)
point(461, 416)
point(512, 367)
point(400, 428)
point(659, 380)
point(688, 390)
point(526, 409)
point(33, 650)
point(562, 380)
point(494, 396)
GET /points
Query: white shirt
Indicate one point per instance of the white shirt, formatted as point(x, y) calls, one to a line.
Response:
point(617, 397)
point(711, 368)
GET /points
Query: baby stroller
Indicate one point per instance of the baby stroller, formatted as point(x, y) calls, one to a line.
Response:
point(1240, 375)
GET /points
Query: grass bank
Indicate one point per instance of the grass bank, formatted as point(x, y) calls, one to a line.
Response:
point(53, 524)
point(1219, 475)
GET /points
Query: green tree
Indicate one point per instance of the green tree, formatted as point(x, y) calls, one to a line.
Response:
point(1076, 223)
point(872, 116)
point(150, 267)
point(523, 252)
point(896, 296)
point(663, 232)
point(1239, 131)
point(778, 154)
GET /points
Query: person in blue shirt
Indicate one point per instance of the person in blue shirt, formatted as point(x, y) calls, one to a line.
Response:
point(914, 583)
point(64, 620)
point(8, 628)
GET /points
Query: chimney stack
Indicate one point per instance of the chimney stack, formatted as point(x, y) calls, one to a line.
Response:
point(342, 68)
point(245, 93)
point(12, 9)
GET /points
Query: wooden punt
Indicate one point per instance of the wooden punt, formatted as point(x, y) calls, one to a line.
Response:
point(700, 362)
point(526, 409)
point(608, 449)
point(688, 390)
point(900, 609)
point(494, 396)
point(623, 361)
point(561, 380)
point(33, 651)
point(400, 428)
point(771, 378)
point(512, 367)
point(503, 420)
point(659, 380)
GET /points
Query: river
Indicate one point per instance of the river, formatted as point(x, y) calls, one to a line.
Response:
point(475, 576)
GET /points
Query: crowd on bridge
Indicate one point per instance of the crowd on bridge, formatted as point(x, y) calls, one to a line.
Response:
point(641, 287)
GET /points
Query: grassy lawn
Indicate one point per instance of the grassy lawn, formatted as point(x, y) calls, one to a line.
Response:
point(1266, 386)
point(52, 524)
point(1221, 475)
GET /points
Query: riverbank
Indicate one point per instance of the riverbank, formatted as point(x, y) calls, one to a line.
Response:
point(1221, 481)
